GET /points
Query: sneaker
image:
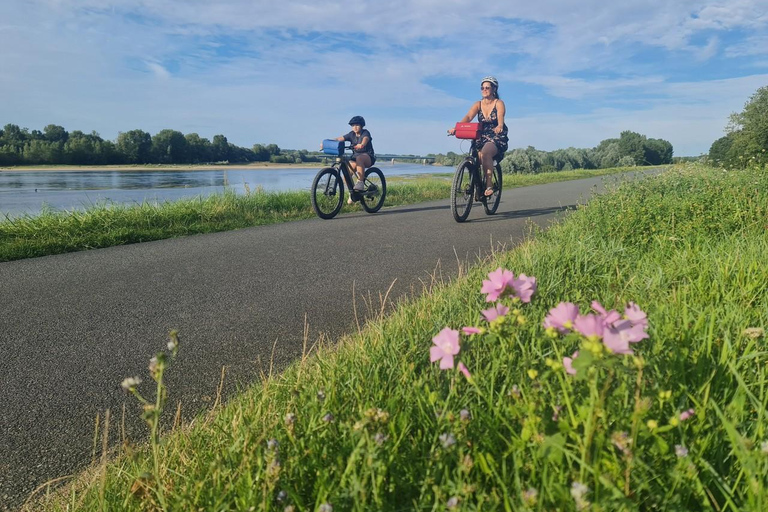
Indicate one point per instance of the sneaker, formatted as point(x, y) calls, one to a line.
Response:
point(360, 186)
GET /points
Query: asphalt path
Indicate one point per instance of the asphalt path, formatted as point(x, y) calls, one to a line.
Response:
point(72, 326)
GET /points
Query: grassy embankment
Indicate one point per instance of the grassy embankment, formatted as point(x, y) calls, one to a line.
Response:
point(371, 424)
point(105, 225)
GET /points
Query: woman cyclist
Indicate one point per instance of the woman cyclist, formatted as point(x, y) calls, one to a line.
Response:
point(362, 150)
point(492, 141)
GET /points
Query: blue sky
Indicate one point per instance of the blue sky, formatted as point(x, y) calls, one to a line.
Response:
point(294, 72)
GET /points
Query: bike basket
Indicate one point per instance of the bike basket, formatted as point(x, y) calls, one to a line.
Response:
point(333, 147)
point(467, 130)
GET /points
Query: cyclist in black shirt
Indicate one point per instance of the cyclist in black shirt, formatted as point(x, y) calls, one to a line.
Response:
point(362, 150)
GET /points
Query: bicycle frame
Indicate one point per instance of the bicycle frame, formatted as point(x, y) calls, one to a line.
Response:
point(342, 163)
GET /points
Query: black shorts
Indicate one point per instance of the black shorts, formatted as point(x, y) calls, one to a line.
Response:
point(355, 155)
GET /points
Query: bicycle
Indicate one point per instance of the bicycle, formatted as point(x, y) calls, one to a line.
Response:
point(328, 185)
point(469, 183)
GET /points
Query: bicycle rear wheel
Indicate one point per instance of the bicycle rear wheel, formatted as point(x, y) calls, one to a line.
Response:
point(375, 190)
point(327, 193)
point(491, 203)
point(462, 190)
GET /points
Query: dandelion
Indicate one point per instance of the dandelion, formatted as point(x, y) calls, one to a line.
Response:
point(533, 374)
point(447, 440)
point(496, 284)
point(453, 502)
point(681, 451)
point(325, 507)
point(130, 383)
point(568, 363)
point(446, 346)
point(686, 415)
point(495, 312)
point(463, 369)
point(464, 415)
point(561, 317)
point(328, 418)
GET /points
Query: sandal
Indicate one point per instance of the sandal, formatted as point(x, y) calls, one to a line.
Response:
point(489, 191)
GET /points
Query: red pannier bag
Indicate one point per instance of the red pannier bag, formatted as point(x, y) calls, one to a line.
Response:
point(467, 130)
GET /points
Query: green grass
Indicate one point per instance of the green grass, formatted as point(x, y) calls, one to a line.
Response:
point(688, 247)
point(107, 225)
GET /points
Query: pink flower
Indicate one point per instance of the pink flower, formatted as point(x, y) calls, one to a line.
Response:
point(589, 325)
point(568, 363)
point(470, 330)
point(446, 346)
point(524, 287)
point(463, 369)
point(685, 415)
point(496, 284)
point(608, 317)
point(617, 338)
point(634, 314)
point(495, 312)
point(561, 317)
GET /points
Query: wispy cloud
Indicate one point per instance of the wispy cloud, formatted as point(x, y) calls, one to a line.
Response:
point(294, 72)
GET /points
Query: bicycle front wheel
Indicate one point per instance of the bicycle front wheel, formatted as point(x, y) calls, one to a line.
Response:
point(462, 190)
point(327, 193)
point(491, 203)
point(375, 190)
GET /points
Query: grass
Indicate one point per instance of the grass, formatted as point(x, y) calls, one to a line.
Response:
point(370, 424)
point(107, 225)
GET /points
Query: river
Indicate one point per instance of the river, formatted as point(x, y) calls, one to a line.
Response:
point(28, 192)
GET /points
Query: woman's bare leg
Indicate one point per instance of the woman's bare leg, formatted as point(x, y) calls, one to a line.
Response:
point(486, 159)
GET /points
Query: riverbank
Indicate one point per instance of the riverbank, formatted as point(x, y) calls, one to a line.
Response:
point(107, 225)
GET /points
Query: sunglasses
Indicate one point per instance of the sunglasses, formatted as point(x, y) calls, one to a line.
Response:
point(485, 88)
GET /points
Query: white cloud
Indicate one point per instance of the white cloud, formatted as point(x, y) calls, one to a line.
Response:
point(293, 72)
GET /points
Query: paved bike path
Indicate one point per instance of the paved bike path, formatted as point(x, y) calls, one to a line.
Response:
point(72, 326)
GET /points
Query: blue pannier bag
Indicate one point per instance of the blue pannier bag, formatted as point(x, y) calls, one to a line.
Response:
point(333, 147)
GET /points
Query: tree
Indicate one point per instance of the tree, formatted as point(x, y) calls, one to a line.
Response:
point(632, 144)
point(169, 147)
point(55, 133)
point(134, 146)
point(720, 150)
point(749, 130)
point(199, 148)
point(220, 148)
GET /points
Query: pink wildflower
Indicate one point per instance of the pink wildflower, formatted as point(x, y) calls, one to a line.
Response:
point(561, 317)
point(463, 369)
point(568, 363)
point(496, 284)
point(616, 339)
point(446, 346)
point(637, 316)
point(589, 325)
point(470, 330)
point(685, 415)
point(524, 287)
point(609, 317)
point(495, 312)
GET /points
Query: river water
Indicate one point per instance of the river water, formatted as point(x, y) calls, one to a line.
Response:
point(28, 192)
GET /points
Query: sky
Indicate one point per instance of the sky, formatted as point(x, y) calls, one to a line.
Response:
point(293, 72)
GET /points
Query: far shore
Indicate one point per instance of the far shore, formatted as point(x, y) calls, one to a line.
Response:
point(171, 167)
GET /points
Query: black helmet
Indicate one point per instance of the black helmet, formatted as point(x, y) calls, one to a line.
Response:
point(357, 120)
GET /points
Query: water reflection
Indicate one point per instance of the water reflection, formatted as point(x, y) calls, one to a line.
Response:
point(25, 192)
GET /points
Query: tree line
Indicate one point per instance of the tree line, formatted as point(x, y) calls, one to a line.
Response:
point(746, 139)
point(55, 146)
point(629, 149)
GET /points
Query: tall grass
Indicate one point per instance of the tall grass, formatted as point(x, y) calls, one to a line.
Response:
point(107, 225)
point(370, 424)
